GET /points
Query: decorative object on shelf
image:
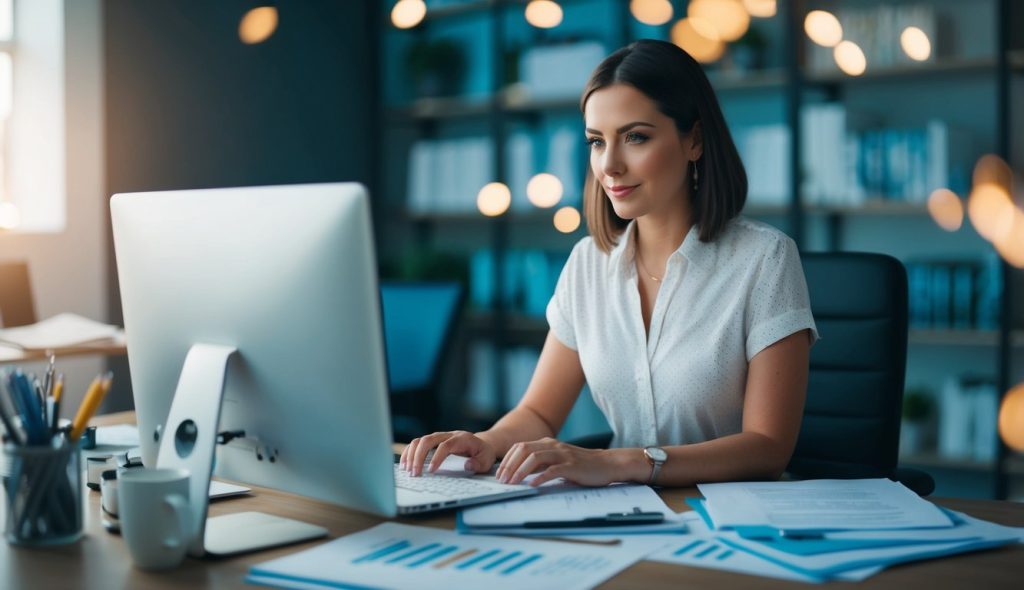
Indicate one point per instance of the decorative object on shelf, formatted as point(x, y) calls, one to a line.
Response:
point(258, 25)
point(543, 14)
point(437, 67)
point(918, 411)
point(967, 419)
point(406, 14)
point(1011, 418)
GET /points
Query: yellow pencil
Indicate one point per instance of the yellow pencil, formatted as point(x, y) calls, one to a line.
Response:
point(58, 388)
point(97, 390)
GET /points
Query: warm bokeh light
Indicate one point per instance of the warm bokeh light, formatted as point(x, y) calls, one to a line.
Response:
point(493, 199)
point(760, 8)
point(728, 17)
point(991, 211)
point(850, 58)
point(699, 39)
point(9, 216)
point(1011, 247)
point(946, 209)
point(567, 220)
point(544, 190)
point(651, 12)
point(823, 28)
point(991, 169)
point(915, 44)
point(258, 25)
point(406, 14)
point(544, 14)
point(1011, 418)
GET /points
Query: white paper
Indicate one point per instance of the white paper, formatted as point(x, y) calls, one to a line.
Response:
point(821, 504)
point(394, 555)
point(576, 504)
point(66, 329)
point(701, 548)
point(123, 435)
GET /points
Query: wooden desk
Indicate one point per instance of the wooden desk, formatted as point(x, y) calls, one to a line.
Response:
point(100, 560)
point(13, 355)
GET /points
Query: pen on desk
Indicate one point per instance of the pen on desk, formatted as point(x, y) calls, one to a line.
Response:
point(58, 388)
point(99, 388)
point(608, 520)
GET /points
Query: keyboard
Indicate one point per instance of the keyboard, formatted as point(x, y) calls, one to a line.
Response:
point(452, 487)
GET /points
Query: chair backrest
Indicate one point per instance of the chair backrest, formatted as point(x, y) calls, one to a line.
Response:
point(851, 421)
point(418, 323)
point(17, 307)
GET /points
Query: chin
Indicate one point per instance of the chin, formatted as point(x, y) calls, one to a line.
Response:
point(626, 211)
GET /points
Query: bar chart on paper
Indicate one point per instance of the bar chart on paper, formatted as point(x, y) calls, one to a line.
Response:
point(395, 555)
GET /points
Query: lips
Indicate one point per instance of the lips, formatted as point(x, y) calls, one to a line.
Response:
point(620, 191)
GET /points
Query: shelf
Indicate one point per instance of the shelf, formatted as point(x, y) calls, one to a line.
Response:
point(459, 8)
point(870, 207)
point(933, 460)
point(987, 338)
point(771, 79)
point(939, 68)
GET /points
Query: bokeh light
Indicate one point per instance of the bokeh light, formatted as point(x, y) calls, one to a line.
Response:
point(728, 17)
point(544, 14)
point(406, 14)
point(990, 211)
point(915, 44)
point(258, 25)
point(567, 220)
point(946, 209)
point(1011, 418)
point(493, 199)
point(850, 58)
point(823, 28)
point(761, 8)
point(1011, 247)
point(10, 218)
point(991, 169)
point(651, 12)
point(544, 190)
point(699, 39)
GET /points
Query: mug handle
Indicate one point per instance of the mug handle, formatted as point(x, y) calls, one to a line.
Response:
point(177, 503)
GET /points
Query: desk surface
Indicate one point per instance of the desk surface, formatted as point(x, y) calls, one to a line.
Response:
point(100, 560)
point(13, 355)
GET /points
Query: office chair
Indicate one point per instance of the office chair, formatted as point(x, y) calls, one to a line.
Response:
point(851, 424)
point(419, 325)
point(17, 307)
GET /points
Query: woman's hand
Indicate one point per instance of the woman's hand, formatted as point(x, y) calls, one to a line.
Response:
point(457, 442)
point(553, 459)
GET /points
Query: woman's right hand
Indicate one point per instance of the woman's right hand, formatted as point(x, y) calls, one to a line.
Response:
point(480, 453)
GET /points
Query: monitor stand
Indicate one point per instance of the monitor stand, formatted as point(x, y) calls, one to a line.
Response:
point(188, 440)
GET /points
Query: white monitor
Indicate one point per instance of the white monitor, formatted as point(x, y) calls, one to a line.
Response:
point(285, 275)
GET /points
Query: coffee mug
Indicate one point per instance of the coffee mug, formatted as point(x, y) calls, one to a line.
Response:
point(156, 522)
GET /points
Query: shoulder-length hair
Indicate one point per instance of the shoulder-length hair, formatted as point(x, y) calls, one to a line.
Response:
point(678, 86)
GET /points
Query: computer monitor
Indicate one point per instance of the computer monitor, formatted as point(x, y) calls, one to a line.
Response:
point(285, 275)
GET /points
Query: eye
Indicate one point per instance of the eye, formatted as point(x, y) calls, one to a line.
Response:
point(634, 137)
point(593, 142)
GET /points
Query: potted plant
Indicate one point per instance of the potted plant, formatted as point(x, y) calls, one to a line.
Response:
point(436, 67)
point(917, 412)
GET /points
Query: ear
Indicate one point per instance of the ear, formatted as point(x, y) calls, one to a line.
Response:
point(695, 143)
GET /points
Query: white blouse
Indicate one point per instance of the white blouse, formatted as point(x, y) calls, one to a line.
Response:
point(718, 305)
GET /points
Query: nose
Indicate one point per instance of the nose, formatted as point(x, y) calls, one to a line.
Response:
point(612, 164)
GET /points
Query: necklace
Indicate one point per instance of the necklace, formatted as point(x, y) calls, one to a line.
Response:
point(640, 261)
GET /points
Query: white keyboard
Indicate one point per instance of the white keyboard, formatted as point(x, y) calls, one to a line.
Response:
point(452, 487)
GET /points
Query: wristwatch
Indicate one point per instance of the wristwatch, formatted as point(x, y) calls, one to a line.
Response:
point(656, 456)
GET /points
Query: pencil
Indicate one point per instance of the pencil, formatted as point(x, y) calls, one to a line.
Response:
point(99, 388)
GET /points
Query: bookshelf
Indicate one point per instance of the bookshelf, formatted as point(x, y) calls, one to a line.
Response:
point(971, 69)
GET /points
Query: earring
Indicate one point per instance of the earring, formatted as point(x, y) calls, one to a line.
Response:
point(695, 176)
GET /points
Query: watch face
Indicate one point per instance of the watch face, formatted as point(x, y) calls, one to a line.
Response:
point(657, 454)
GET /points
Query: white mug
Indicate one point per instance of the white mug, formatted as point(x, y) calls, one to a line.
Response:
point(156, 522)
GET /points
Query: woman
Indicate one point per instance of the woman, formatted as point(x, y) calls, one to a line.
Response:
point(691, 326)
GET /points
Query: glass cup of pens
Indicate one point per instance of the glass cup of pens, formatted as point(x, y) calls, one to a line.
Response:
point(44, 492)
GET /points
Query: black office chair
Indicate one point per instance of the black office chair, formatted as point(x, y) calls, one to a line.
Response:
point(419, 323)
point(851, 424)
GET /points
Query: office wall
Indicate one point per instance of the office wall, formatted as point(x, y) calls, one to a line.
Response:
point(190, 106)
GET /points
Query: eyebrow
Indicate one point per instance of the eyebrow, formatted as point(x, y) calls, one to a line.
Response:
point(622, 129)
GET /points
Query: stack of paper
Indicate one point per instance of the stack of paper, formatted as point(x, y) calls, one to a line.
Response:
point(61, 331)
point(831, 529)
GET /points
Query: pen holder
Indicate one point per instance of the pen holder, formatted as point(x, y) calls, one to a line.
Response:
point(44, 493)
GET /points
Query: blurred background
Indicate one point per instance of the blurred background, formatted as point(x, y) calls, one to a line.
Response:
point(865, 125)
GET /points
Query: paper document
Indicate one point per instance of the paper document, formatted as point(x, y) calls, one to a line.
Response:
point(121, 435)
point(62, 330)
point(820, 505)
point(394, 555)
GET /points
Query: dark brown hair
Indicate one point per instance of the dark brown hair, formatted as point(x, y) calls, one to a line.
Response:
point(678, 86)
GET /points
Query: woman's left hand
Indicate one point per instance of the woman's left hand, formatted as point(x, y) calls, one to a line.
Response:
point(554, 459)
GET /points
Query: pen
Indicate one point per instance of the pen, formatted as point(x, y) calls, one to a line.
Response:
point(93, 397)
point(6, 416)
point(58, 388)
point(608, 520)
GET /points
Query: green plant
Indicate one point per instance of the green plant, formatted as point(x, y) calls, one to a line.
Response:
point(917, 405)
point(436, 66)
